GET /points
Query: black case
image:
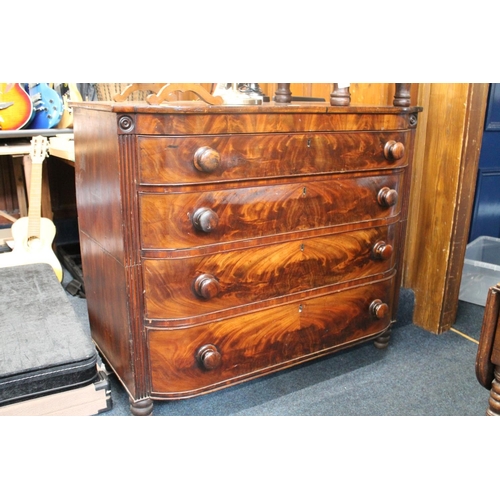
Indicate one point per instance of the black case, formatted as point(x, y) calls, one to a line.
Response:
point(43, 347)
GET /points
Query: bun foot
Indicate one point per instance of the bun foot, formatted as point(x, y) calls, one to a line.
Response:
point(382, 341)
point(141, 408)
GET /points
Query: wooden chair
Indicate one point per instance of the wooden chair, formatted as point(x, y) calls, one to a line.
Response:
point(488, 354)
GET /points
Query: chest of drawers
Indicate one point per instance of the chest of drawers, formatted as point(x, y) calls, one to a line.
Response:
point(221, 243)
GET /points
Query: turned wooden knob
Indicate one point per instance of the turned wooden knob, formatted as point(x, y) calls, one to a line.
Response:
point(205, 219)
point(387, 197)
point(394, 150)
point(382, 250)
point(209, 357)
point(206, 159)
point(206, 286)
point(379, 309)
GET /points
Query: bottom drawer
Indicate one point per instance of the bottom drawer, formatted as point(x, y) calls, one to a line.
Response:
point(189, 361)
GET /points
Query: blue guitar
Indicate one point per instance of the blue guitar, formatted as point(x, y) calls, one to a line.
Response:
point(47, 106)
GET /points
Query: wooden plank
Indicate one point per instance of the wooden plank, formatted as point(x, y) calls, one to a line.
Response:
point(414, 231)
point(474, 120)
point(445, 164)
point(63, 147)
point(16, 149)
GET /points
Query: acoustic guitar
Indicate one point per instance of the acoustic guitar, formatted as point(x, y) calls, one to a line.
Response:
point(16, 107)
point(33, 235)
point(47, 104)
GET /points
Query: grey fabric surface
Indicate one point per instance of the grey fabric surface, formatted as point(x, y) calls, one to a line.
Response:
point(38, 326)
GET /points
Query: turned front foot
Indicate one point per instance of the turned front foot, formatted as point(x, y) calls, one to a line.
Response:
point(382, 341)
point(141, 408)
point(494, 401)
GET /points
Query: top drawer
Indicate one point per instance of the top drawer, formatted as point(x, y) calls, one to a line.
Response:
point(208, 159)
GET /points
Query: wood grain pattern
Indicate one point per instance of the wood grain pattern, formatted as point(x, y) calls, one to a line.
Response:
point(98, 204)
point(170, 159)
point(264, 341)
point(265, 122)
point(261, 273)
point(260, 211)
point(108, 305)
point(444, 179)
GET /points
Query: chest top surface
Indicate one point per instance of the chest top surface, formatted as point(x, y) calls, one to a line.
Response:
point(194, 117)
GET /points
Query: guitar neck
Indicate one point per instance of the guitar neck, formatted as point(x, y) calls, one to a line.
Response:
point(35, 200)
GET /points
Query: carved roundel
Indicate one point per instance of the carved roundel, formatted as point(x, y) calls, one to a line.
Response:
point(413, 120)
point(126, 123)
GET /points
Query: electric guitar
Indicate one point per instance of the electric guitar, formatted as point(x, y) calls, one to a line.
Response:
point(33, 235)
point(47, 104)
point(16, 107)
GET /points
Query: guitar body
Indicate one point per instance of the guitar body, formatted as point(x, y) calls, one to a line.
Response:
point(32, 250)
point(47, 104)
point(16, 107)
point(70, 94)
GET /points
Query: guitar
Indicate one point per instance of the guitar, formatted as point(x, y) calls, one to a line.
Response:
point(69, 92)
point(16, 107)
point(33, 235)
point(47, 104)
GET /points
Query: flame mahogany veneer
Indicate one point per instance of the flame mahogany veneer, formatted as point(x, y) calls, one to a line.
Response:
point(221, 243)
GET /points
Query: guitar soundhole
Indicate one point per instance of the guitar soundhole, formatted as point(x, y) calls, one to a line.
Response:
point(34, 242)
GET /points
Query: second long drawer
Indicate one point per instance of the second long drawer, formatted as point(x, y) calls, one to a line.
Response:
point(194, 219)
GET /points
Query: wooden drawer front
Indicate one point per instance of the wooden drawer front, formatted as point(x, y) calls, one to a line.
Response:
point(199, 159)
point(192, 287)
point(189, 361)
point(169, 221)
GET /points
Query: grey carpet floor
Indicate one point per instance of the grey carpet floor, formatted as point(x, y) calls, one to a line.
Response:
point(419, 374)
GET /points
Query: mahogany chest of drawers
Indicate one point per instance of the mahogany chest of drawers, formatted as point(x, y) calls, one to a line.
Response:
point(221, 243)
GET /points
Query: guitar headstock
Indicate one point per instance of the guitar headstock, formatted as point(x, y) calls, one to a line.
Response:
point(39, 148)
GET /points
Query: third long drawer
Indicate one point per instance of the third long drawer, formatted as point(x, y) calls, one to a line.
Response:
point(190, 287)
